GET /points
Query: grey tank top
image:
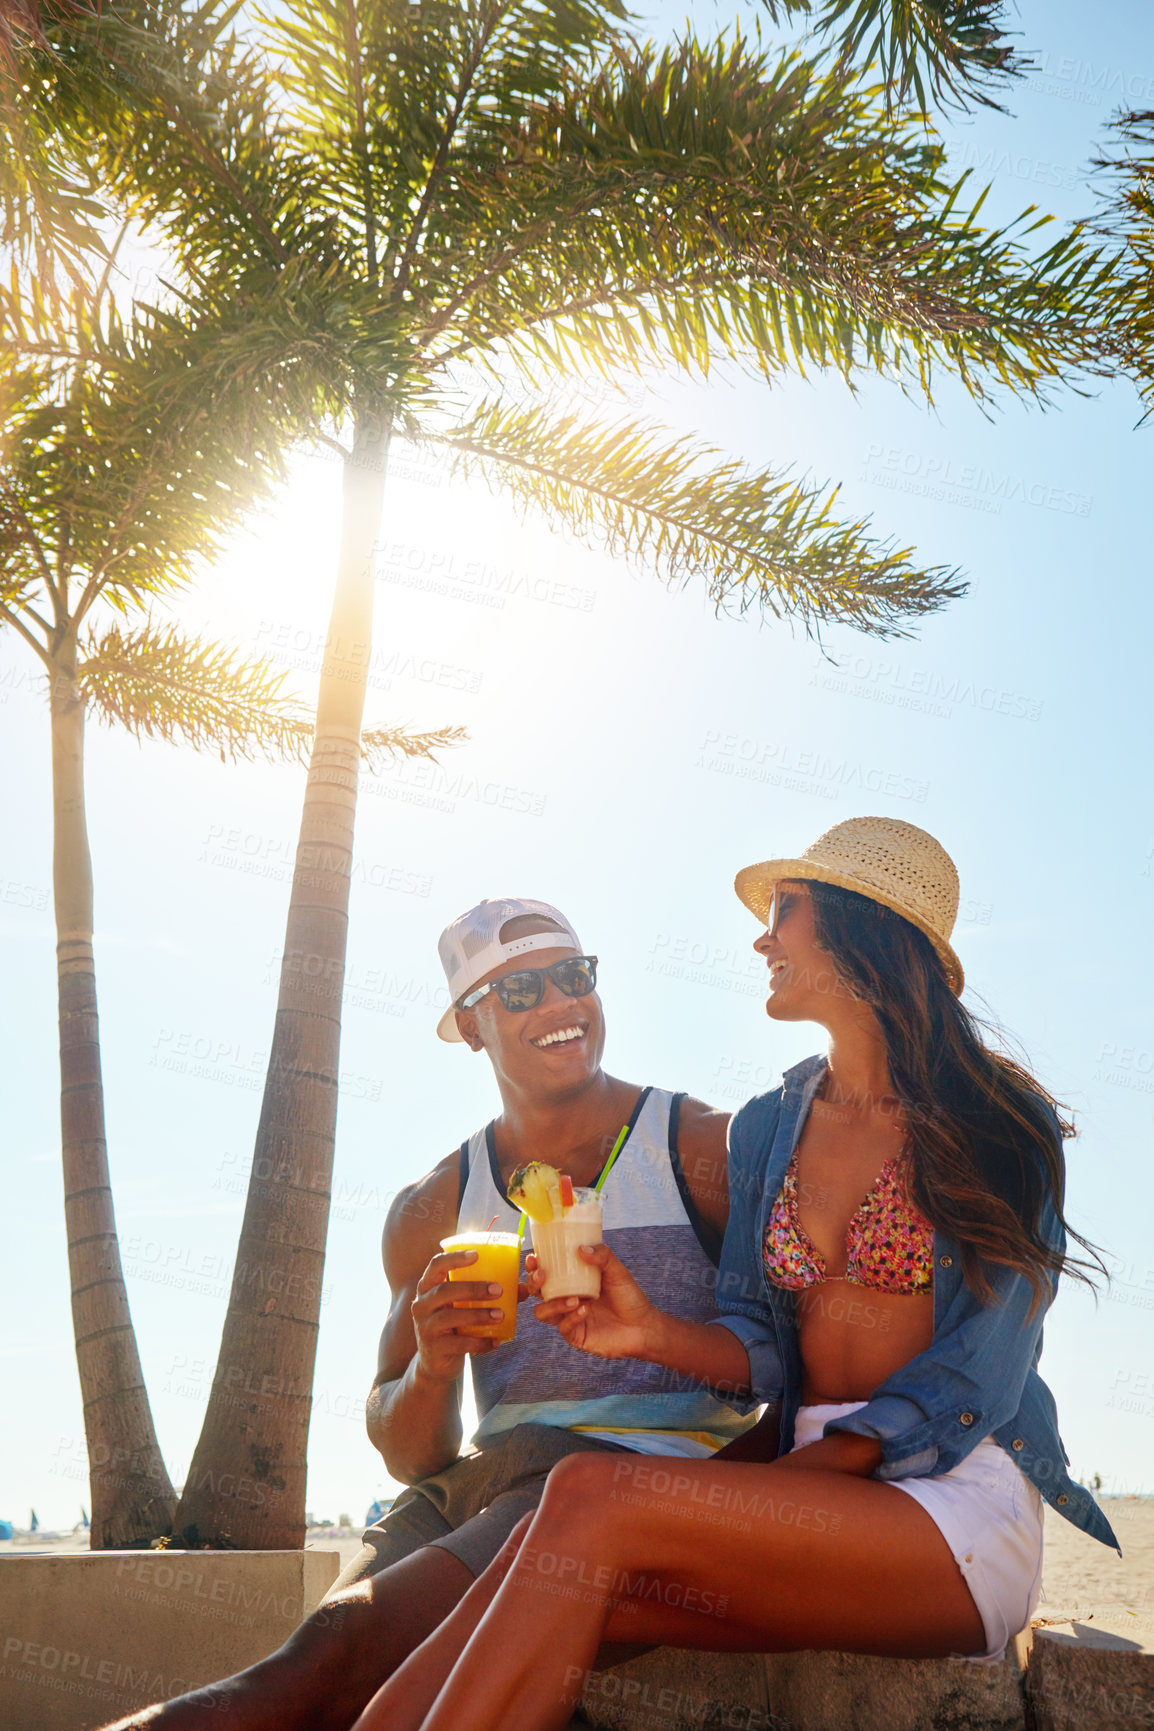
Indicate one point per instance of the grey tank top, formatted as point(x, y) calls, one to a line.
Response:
point(650, 1222)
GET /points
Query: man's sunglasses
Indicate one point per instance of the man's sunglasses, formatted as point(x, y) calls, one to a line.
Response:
point(576, 976)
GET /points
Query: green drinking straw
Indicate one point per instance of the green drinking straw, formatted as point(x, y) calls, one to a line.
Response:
point(521, 1226)
point(617, 1147)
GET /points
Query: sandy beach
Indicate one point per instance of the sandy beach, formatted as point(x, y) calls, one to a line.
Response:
point(1085, 1581)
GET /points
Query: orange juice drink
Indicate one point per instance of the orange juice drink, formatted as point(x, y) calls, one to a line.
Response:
point(498, 1259)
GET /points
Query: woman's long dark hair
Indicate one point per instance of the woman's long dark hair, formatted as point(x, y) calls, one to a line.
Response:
point(984, 1150)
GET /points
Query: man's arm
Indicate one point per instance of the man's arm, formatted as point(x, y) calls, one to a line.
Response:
point(701, 1149)
point(413, 1413)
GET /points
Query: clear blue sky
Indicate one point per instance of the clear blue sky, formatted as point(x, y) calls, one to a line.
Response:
point(628, 753)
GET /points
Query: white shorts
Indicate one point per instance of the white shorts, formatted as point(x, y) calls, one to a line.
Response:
point(989, 1514)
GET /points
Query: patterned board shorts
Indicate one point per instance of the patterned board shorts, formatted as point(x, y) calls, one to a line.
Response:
point(471, 1507)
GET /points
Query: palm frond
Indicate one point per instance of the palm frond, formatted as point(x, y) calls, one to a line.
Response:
point(703, 200)
point(755, 539)
point(161, 684)
point(391, 104)
point(1125, 180)
point(955, 48)
point(378, 744)
point(51, 210)
point(626, 206)
point(135, 448)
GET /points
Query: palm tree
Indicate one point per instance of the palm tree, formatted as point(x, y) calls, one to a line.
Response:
point(115, 484)
point(1127, 182)
point(439, 200)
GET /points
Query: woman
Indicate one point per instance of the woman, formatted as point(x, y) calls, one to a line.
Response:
point(896, 1236)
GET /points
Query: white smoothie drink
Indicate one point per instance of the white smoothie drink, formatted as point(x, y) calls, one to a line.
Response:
point(567, 1275)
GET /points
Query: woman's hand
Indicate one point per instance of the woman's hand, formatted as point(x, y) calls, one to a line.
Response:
point(622, 1323)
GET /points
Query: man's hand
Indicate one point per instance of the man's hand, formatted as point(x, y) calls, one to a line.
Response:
point(840, 1452)
point(619, 1324)
point(759, 1443)
point(437, 1322)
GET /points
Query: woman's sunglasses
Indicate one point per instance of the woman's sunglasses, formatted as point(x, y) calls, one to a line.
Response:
point(576, 976)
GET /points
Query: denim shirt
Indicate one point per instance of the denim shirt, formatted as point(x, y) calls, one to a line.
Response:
point(977, 1378)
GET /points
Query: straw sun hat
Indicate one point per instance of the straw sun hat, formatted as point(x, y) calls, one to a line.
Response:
point(891, 862)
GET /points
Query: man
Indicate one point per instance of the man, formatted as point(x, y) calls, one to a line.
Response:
point(524, 994)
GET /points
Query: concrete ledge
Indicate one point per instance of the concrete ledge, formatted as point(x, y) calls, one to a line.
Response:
point(674, 1687)
point(855, 1692)
point(676, 1690)
point(1081, 1676)
point(87, 1638)
point(1078, 1677)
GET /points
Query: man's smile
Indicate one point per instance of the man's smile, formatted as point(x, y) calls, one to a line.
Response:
point(559, 1037)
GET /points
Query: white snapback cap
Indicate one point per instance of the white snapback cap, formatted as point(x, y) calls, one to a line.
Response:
point(471, 946)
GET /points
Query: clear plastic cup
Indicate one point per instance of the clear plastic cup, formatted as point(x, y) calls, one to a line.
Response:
point(498, 1259)
point(555, 1242)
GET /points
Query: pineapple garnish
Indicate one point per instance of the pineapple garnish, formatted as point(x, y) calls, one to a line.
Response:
point(536, 1190)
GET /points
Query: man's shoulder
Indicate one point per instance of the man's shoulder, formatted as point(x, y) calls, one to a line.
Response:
point(415, 1200)
point(701, 1151)
point(422, 1213)
point(701, 1128)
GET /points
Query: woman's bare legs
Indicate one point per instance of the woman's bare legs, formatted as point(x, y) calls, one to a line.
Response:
point(694, 1554)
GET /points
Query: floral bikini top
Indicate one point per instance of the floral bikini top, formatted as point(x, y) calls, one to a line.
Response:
point(889, 1245)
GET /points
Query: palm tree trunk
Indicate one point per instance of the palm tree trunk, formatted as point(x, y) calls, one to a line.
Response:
point(132, 1497)
point(246, 1484)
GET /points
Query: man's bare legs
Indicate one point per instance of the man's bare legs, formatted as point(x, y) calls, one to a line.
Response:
point(333, 1664)
point(404, 1700)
